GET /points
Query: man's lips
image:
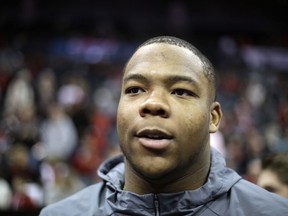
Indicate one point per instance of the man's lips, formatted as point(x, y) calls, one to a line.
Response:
point(154, 139)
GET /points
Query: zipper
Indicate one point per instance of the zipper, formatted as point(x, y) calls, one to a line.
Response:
point(156, 205)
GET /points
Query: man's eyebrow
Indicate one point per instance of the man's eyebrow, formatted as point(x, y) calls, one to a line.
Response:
point(171, 80)
point(178, 78)
point(136, 77)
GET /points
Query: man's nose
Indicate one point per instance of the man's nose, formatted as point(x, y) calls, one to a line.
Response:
point(155, 105)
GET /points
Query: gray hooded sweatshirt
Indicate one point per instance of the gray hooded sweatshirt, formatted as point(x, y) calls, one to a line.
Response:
point(224, 194)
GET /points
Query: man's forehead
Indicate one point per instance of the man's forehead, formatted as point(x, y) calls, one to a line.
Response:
point(163, 52)
point(162, 48)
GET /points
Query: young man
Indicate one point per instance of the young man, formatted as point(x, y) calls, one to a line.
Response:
point(274, 174)
point(166, 113)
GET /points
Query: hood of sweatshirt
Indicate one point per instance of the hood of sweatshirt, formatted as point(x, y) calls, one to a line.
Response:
point(120, 202)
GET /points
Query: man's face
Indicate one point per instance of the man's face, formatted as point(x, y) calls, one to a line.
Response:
point(269, 181)
point(165, 111)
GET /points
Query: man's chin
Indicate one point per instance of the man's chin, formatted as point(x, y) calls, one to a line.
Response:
point(156, 176)
point(152, 168)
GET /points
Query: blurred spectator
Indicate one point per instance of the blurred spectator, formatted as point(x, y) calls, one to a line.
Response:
point(20, 199)
point(62, 182)
point(272, 134)
point(252, 171)
point(87, 158)
point(58, 134)
point(5, 195)
point(45, 89)
point(20, 92)
point(255, 146)
point(282, 143)
point(25, 129)
point(71, 92)
point(23, 176)
point(235, 153)
point(255, 91)
point(101, 126)
point(283, 112)
point(72, 95)
point(20, 164)
point(244, 114)
point(274, 174)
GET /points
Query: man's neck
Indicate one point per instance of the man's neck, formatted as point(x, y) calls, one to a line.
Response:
point(172, 183)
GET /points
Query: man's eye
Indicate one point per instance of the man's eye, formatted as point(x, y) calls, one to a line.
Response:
point(270, 188)
point(134, 90)
point(182, 92)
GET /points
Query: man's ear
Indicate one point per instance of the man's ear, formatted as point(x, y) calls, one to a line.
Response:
point(215, 117)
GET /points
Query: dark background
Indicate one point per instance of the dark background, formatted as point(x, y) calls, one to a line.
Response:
point(31, 25)
point(264, 22)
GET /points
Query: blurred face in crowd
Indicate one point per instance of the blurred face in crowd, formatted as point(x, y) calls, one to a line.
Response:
point(270, 181)
point(165, 113)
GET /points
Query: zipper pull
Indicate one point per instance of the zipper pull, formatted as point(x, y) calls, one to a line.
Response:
point(156, 205)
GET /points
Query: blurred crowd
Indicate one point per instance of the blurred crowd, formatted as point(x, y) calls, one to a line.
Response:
point(58, 120)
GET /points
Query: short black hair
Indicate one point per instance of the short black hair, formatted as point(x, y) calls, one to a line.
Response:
point(277, 163)
point(208, 68)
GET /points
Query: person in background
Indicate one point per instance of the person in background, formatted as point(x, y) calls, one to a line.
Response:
point(166, 112)
point(5, 195)
point(274, 174)
point(58, 134)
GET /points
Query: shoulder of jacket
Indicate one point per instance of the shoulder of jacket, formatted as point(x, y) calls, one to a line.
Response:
point(246, 198)
point(79, 203)
point(258, 200)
